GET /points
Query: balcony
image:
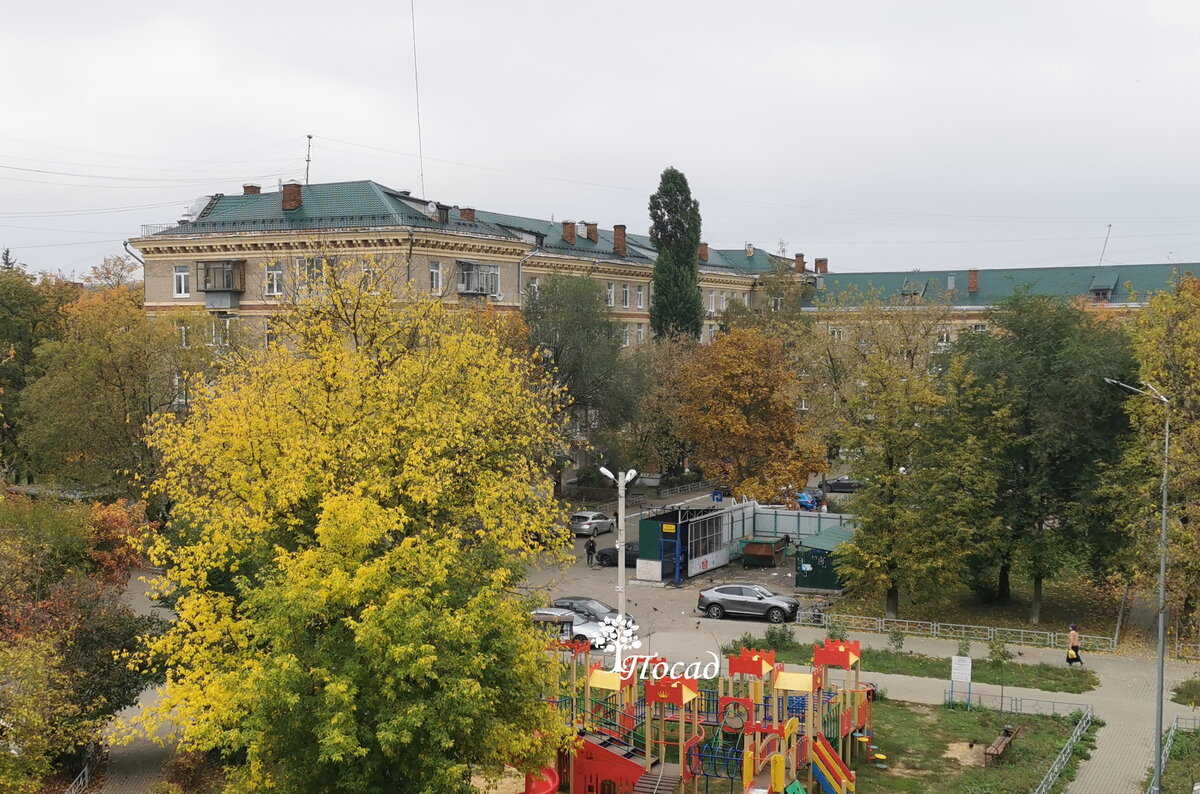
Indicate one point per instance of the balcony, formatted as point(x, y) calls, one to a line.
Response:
point(222, 283)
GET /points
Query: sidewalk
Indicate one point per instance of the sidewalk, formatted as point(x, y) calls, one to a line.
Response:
point(135, 767)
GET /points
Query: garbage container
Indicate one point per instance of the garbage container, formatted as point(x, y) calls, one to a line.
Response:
point(763, 552)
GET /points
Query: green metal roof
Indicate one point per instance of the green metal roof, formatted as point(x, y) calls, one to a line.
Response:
point(829, 539)
point(367, 204)
point(1129, 283)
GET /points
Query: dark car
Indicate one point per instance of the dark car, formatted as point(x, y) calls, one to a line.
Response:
point(843, 484)
point(747, 599)
point(608, 557)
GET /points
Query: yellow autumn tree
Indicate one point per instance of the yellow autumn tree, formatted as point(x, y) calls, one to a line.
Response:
point(739, 408)
point(354, 512)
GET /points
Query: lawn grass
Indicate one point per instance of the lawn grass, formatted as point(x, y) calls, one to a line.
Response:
point(1046, 677)
point(1187, 693)
point(1183, 765)
point(934, 748)
point(1069, 600)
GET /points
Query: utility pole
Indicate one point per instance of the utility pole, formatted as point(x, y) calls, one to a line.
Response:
point(307, 159)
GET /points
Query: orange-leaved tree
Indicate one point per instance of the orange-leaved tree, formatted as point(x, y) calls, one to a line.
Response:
point(740, 408)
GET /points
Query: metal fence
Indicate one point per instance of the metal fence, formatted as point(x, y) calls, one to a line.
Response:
point(775, 523)
point(687, 487)
point(1187, 650)
point(1189, 724)
point(1053, 708)
point(958, 631)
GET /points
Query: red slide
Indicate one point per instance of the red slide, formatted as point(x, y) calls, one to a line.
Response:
point(546, 784)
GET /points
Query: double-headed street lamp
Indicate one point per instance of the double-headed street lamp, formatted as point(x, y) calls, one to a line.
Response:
point(621, 479)
point(1155, 394)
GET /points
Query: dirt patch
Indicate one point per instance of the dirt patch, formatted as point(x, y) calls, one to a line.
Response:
point(900, 770)
point(509, 783)
point(924, 710)
point(965, 754)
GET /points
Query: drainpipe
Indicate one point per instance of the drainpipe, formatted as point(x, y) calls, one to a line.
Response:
point(520, 262)
point(129, 251)
point(408, 264)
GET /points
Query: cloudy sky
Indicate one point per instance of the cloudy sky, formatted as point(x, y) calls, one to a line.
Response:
point(882, 135)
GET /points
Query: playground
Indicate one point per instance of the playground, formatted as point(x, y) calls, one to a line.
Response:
point(753, 727)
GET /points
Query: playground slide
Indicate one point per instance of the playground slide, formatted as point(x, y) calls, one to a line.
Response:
point(834, 763)
point(823, 778)
point(546, 784)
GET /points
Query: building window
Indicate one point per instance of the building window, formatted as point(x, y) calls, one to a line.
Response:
point(943, 337)
point(979, 327)
point(624, 296)
point(183, 333)
point(641, 333)
point(435, 277)
point(311, 271)
point(836, 333)
point(641, 296)
point(370, 274)
point(183, 281)
point(222, 329)
point(804, 406)
point(1101, 295)
point(609, 294)
point(534, 286)
point(269, 335)
point(712, 332)
point(724, 301)
point(777, 303)
point(712, 302)
point(273, 285)
point(478, 279)
point(625, 335)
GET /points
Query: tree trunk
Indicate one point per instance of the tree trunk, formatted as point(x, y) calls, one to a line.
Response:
point(1035, 609)
point(893, 602)
point(1003, 585)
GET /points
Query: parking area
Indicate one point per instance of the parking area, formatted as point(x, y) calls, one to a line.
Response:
point(659, 608)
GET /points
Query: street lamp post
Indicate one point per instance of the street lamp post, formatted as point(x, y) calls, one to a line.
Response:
point(621, 479)
point(1155, 394)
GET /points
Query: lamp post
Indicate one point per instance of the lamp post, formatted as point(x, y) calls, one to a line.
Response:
point(1155, 394)
point(621, 479)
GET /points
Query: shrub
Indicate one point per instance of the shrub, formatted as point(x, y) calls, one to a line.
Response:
point(1188, 692)
point(780, 638)
point(735, 646)
point(590, 477)
point(896, 640)
point(835, 631)
point(964, 647)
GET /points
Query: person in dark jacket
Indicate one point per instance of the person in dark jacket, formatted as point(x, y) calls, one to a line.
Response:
point(590, 548)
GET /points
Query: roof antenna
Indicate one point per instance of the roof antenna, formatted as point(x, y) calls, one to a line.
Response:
point(1105, 248)
point(412, 7)
point(307, 159)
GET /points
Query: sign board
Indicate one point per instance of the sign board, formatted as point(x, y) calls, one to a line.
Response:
point(960, 669)
point(718, 496)
point(668, 529)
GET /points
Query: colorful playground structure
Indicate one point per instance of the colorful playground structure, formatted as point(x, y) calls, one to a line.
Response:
point(755, 727)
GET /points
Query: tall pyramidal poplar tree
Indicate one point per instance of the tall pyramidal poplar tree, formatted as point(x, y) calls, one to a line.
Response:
point(676, 305)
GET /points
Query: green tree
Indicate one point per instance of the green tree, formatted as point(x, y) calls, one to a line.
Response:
point(83, 418)
point(654, 435)
point(354, 514)
point(676, 305)
point(929, 486)
point(578, 339)
point(29, 315)
point(1052, 357)
point(1166, 343)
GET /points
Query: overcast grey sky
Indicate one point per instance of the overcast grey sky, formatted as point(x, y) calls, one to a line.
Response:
point(882, 135)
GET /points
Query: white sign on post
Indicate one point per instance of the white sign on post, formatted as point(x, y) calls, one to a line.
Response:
point(960, 669)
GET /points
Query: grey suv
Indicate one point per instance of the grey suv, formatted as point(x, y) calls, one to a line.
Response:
point(747, 599)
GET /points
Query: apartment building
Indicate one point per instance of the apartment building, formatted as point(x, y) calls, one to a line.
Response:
point(237, 256)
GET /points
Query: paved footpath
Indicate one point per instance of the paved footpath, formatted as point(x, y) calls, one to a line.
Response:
point(135, 767)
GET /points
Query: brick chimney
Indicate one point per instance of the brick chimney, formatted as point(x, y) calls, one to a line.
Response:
point(467, 214)
point(821, 265)
point(251, 189)
point(749, 249)
point(593, 232)
point(703, 252)
point(619, 240)
point(291, 195)
point(972, 281)
point(800, 265)
point(569, 232)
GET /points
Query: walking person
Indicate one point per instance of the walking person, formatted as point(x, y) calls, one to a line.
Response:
point(590, 548)
point(1073, 647)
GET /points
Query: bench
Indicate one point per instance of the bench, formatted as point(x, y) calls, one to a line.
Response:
point(997, 748)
